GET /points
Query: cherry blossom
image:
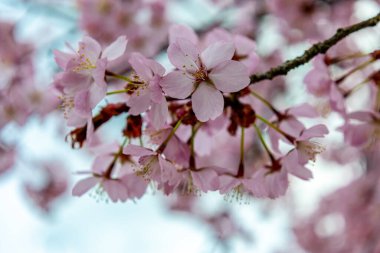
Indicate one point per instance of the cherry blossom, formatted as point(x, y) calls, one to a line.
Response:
point(204, 75)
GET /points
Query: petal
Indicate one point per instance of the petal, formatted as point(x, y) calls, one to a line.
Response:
point(116, 49)
point(217, 35)
point(101, 163)
point(136, 185)
point(115, 190)
point(316, 131)
point(139, 65)
point(244, 45)
point(139, 103)
point(182, 31)
point(207, 102)
point(184, 55)
point(62, 58)
point(90, 48)
point(96, 94)
point(205, 179)
point(366, 116)
point(217, 53)
point(158, 114)
point(291, 164)
point(303, 110)
point(82, 105)
point(157, 68)
point(230, 77)
point(177, 84)
point(135, 150)
point(227, 183)
point(84, 186)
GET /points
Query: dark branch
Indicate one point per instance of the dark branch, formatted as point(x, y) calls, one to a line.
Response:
point(314, 50)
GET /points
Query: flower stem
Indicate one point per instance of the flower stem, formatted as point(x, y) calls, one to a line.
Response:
point(108, 172)
point(117, 76)
point(274, 127)
point(266, 102)
point(357, 68)
point(259, 133)
point(356, 88)
point(117, 92)
point(162, 147)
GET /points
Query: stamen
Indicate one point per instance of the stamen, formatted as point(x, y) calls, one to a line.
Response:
point(310, 148)
point(237, 194)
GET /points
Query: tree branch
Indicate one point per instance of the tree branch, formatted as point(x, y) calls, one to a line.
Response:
point(314, 50)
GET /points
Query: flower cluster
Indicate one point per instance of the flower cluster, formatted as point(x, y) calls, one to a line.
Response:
point(186, 116)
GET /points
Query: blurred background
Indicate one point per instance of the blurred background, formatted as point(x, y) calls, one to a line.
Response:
point(66, 224)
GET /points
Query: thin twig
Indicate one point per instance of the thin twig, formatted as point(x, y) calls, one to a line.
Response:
point(314, 50)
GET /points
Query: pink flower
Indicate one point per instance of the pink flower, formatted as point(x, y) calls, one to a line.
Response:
point(82, 83)
point(306, 149)
point(55, 185)
point(267, 184)
point(289, 123)
point(318, 80)
point(152, 165)
point(108, 183)
point(148, 94)
point(204, 75)
point(365, 132)
point(244, 47)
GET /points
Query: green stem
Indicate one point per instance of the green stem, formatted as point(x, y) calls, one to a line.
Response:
point(108, 173)
point(259, 133)
point(264, 101)
point(121, 77)
point(276, 128)
point(117, 92)
point(163, 145)
point(242, 145)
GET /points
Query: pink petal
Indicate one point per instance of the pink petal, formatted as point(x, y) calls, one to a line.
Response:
point(169, 173)
point(62, 58)
point(303, 110)
point(217, 35)
point(90, 48)
point(358, 135)
point(366, 116)
point(177, 84)
point(115, 190)
point(139, 103)
point(138, 63)
point(291, 164)
point(316, 131)
point(84, 186)
point(158, 114)
point(184, 55)
point(205, 179)
point(157, 68)
point(135, 150)
point(244, 45)
point(230, 77)
point(136, 185)
point(227, 183)
point(101, 163)
point(207, 102)
point(183, 32)
point(82, 104)
point(217, 53)
point(116, 49)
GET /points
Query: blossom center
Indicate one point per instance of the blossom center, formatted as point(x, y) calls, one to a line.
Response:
point(310, 148)
point(200, 75)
